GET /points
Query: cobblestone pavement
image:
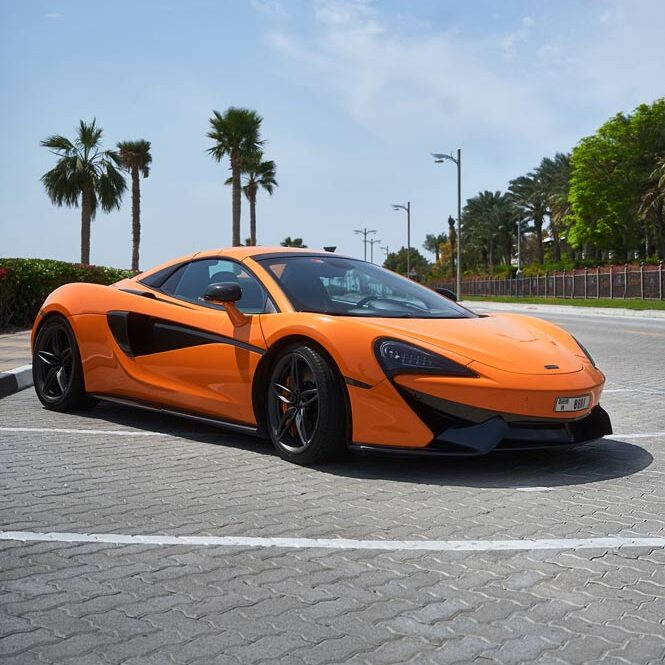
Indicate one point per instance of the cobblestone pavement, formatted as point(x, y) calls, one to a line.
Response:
point(14, 350)
point(93, 603)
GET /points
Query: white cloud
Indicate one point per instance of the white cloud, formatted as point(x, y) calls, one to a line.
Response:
point(392, 83)
point(53, 15)
point(270, 8)
point(510, 42)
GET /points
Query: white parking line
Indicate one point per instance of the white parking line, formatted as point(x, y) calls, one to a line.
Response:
point(645, 435)
point(643, 391)
point(613, 542)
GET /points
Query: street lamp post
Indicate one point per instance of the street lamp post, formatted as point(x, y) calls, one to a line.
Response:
point(364, 232)
point(439, 158)
point(407, 207)
point(372, 242)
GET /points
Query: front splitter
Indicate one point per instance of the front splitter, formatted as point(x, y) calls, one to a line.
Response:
point(495, 434)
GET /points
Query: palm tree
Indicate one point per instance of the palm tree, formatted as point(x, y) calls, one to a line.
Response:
point(554, 175)
point(289, 242)
point(652, 211)
point(488, 222)
point(136, 158)
point(433, 243)
point(528, 195)
point(257, 174)
point(84, 174)
point(236, 134)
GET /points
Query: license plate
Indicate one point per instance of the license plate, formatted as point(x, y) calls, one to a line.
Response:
point(572, 403)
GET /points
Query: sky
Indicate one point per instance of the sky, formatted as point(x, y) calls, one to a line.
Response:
point(355, 95)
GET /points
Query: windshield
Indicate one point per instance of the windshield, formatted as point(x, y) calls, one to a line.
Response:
point(348, 287)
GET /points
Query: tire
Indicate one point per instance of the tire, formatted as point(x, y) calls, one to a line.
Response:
point(56, 368)
point(305, 407)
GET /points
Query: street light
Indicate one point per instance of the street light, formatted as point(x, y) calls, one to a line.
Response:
point(407, 207)
point(439, 158)
point(365, 232)
point(372, 242)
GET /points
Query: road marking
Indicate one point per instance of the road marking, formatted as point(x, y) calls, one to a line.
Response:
point(644, 332)
point(534, 489)
point(644, 391)
point(646, 435)
point(612, 542)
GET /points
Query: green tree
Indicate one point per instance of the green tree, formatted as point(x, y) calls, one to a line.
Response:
point(611, 173)
point(652, 211)
point(136, 158)
point(236, 135)
point(257, 174)
point(292, 242)
point(554, 175)
point(452, 238)
point(433, 243)
point(528, 194)
point(489, 223)
point(396, 261)
point(84, 175)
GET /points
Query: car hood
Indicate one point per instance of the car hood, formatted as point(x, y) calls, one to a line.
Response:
point(511, 343)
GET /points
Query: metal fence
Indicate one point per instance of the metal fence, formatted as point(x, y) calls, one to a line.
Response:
point(644, 283)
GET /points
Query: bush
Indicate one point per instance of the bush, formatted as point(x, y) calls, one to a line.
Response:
point(25, 283)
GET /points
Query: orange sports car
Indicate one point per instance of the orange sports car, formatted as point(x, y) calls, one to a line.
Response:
point(319, 353)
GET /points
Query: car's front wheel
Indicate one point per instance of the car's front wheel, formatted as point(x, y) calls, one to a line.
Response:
point(306, 412)
point(56, 368)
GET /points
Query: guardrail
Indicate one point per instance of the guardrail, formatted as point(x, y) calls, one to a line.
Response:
point(644, 283)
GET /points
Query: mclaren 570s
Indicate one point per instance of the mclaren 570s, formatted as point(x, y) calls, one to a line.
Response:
point(319, 353)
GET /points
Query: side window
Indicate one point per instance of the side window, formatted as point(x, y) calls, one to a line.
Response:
point(171, 283)
point(191, 281)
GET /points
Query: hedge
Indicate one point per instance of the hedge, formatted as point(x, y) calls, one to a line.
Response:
point(25, 283)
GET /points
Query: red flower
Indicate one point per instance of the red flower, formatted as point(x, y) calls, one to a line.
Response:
point(3, 273)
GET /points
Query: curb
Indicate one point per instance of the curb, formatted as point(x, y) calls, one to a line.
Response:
point(566, 309)
point(15, 379)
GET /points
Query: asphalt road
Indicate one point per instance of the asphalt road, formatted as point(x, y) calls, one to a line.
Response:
point(119, 472)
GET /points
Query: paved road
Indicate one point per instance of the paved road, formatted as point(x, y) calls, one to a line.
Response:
point(14, 350)
point(114, 471)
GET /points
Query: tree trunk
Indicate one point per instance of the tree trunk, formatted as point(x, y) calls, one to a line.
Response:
point(136, 218)
point(538, 226)
point(556, 245)
point(252, 218)
point(235, 180)
point(660, 233)
point(86, 214)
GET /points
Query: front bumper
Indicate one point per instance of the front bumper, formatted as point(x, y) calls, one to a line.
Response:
point(463, 432)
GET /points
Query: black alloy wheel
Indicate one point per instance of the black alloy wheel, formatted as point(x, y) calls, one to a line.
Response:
point(56, 368)
point(305, 407)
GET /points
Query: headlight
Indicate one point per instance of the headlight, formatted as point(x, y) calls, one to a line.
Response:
point(586, 353)
point(402, 358)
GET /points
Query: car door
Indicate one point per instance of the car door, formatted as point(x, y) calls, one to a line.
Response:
point(185, 353)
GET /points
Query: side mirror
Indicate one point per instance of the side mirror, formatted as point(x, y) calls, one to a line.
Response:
point(446, 293)
point(223, 292)
point(227, 294)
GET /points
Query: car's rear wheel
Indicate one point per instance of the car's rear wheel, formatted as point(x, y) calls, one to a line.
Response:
point(56, 368)
point(306, 412)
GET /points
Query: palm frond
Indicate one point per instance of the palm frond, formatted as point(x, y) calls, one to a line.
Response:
point(58, 144)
